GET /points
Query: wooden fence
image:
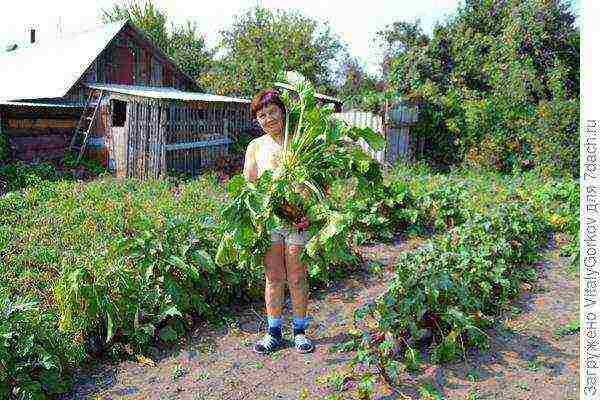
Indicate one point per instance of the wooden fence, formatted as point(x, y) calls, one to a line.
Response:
point(394, 125)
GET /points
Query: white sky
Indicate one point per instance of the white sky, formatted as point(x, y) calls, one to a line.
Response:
point(355, 21)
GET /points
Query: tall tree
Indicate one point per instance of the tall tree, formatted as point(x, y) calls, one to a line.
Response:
point(498, 84)
point(181, 42)
point(358, 89)
point(261, 41)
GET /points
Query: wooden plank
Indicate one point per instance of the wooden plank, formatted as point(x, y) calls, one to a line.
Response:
point(198, 144)
point(41, 123)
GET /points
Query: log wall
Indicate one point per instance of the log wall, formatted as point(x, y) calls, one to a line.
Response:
point(38, 133)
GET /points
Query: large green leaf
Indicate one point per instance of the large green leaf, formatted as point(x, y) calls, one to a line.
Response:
point(374, 139)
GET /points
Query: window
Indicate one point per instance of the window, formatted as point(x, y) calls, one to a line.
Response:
point(119, 113)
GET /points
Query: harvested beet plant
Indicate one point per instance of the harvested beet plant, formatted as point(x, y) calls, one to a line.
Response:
point(318, 151)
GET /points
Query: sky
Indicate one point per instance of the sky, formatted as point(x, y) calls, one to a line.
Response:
point(356, 22)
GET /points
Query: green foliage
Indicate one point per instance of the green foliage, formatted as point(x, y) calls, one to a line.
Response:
point(358, 89)
point(449, 290)
point(89, 268)
point(20, 175)
point(32, 353)
point(498, 85)
point(569, 328)
point(260, 42)
point(180, 42)
point(4, 145)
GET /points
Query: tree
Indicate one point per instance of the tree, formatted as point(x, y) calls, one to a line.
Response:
point(261, 42)
point(358, 88)
point(498, 84)
point(182, 42)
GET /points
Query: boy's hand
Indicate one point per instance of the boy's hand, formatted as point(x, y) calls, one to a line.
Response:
point(303, 224)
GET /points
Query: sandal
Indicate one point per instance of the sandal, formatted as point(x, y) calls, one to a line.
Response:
point(268, 344)
point(303, 344)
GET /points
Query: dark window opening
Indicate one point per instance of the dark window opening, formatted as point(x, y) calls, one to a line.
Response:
point(119, 113)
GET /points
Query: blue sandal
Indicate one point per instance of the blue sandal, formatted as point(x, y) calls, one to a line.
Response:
point(303, 344)
point(268, 344)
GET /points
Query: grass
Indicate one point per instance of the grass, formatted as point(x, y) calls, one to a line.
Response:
point(534, 365)
point(202, 376)
point(177, 372)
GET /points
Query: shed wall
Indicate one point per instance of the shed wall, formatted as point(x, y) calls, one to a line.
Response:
point(37, 133)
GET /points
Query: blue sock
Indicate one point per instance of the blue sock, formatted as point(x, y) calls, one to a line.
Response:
point(299, 325)
point(274, 326)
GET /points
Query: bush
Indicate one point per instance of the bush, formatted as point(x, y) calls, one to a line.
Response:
point(498, 85)
point(32, 353)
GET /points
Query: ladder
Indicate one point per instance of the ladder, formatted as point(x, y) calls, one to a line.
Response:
point(84, 126)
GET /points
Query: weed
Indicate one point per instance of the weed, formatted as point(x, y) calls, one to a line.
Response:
point(534, 365)
point(472, 394)
point(276, 354)
point(523, 385)
point(259, 365)
point(177, 372)
point(202, 376)
point(568, 329)
point(474, 375)
point(428, 392)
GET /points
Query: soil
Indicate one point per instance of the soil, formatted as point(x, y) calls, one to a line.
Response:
point(526, 358)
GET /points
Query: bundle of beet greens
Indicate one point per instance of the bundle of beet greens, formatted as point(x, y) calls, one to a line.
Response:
point(318, 150)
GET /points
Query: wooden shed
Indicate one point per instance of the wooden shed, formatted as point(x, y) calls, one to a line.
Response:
point(45, 89)
point(149, 131)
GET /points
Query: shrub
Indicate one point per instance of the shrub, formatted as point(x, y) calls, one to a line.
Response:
point(498, 84)
point(446, 292)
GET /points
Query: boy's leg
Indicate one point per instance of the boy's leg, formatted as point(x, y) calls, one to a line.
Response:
point(275, 278)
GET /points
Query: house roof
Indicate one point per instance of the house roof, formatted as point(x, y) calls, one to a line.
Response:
point(165, 93)
point(42, 104)
point(50, 68)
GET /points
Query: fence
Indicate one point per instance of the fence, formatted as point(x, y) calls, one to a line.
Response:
point(395, 126)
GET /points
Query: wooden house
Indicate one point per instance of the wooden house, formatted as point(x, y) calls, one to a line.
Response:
point(144, 114)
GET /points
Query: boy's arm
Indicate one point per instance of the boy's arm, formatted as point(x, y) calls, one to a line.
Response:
point(250, 169)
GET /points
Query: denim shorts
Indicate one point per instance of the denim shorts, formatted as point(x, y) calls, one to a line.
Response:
point(289, 235)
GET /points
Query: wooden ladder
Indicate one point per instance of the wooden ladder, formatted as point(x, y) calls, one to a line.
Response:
point(84, 126)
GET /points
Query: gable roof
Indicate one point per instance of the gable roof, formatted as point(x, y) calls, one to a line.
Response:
point(49, 69)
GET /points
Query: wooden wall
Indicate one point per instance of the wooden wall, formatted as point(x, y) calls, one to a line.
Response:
point(166, 136)
point(38, 133)
point(130, 60)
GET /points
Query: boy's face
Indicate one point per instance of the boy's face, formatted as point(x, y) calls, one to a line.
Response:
point(270, 119)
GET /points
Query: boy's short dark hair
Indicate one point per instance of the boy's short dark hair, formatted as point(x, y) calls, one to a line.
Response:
point(263, 99)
